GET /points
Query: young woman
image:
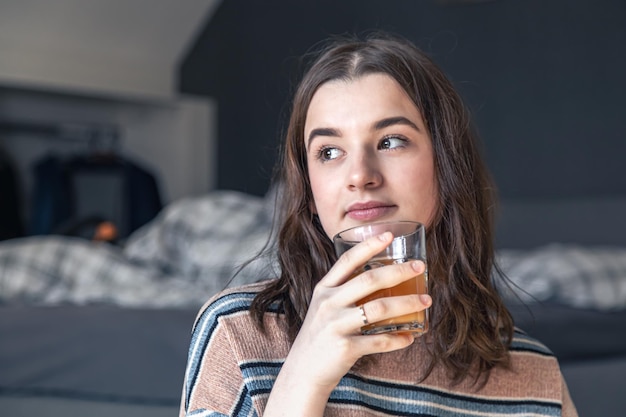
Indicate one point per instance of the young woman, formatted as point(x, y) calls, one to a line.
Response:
point(377, 133)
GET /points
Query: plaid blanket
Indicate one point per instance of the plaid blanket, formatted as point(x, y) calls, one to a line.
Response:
point(195, 246)
point(188, 253)
point(585, 277)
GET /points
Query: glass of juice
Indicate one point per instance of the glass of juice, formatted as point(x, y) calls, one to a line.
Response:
point(409, 243)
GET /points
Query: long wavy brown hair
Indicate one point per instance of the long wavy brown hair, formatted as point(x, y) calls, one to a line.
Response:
point(471, 329)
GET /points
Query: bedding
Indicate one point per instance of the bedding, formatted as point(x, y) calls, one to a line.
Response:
point(92, 360)
point(189, 252)
point(94, 329)
point(66, 342)
point(195, 246)
point(573, 334)
point(573, 275)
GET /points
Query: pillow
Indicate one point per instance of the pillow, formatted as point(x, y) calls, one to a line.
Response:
point(53, 270)
point(208, 237)
point(586, 277)
point(188, 253)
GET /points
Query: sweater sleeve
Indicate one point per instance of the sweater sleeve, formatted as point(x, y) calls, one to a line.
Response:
point(213, 384)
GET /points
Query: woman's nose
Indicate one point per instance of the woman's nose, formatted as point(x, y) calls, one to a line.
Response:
point(364, 172)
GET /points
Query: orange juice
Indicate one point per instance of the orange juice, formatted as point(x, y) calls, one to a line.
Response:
point(409, 243)
point(415, 322)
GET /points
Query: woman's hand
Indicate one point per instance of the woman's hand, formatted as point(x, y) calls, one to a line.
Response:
point(330, 340)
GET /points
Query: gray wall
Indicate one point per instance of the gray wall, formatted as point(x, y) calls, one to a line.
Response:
point(544, 79)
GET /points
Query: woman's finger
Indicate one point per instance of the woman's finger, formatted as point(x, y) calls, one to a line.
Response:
point(355, 258)
point(377, 279)
point(383, 309)
point(363, 345)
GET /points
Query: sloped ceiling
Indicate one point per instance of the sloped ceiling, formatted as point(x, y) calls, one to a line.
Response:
point(111, 47)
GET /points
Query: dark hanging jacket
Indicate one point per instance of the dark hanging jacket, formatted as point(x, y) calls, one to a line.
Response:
point(10, 217)
point(114, 188)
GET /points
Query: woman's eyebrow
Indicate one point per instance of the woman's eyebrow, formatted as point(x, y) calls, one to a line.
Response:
point(391, 121)
point(381, 124)
point(322, 131)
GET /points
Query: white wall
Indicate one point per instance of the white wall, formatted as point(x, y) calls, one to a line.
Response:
point(178, 138)
point(100, 47)
point(112, 62)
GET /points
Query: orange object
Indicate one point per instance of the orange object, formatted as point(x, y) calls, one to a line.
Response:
point(105, 231)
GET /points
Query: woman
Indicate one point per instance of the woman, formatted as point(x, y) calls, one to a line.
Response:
point(377, 133)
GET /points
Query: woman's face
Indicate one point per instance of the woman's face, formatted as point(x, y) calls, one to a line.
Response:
point(369, 155)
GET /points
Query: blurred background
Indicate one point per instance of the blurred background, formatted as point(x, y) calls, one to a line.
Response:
point(196, 93)
point(544, 80)
point(92, 120)
point(154, 125)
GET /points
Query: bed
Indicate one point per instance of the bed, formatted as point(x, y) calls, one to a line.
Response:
point(94, 329)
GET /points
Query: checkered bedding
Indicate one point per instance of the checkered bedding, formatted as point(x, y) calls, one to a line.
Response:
point(195, 246)
point(584, 277)
point(188, 253)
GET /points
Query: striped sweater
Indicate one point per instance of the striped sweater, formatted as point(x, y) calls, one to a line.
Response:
point(232, 367)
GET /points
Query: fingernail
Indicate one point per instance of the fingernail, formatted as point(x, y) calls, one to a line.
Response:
point(425, 299)
point(384, 236)
point(417, 266)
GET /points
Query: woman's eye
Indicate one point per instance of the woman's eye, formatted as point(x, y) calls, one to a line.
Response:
point(328, 154)
point(391, 142)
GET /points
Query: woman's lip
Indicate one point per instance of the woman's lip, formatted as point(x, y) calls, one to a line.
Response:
point(369, 213)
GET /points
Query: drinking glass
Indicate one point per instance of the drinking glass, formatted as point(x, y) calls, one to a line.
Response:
point(409, 243)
